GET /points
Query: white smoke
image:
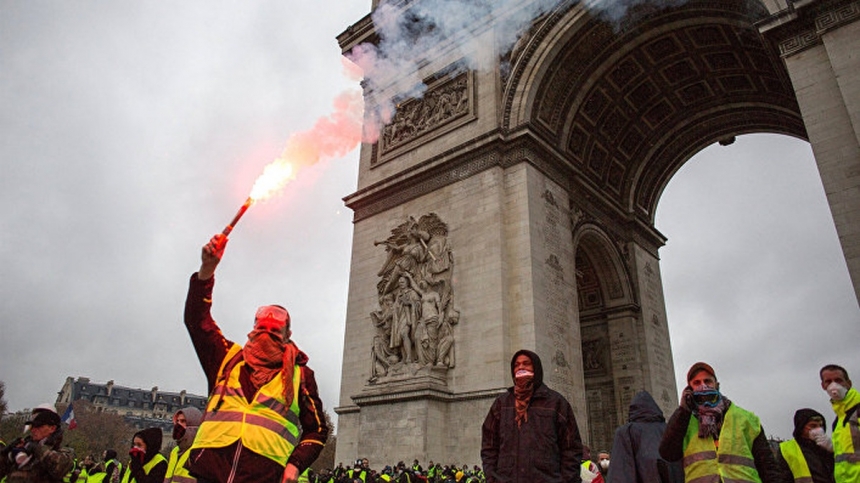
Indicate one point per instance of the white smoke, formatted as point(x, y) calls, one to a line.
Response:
point(421, 31)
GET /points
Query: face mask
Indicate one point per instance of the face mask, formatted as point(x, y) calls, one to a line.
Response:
point(178, 431)
point(604, 464)
point(836, 391)
point(816, 433)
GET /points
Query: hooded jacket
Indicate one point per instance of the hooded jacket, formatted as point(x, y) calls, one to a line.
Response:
point(818, 459)
point(135, 472)
point(635, 448)
point(547, 448)
point(193, 418)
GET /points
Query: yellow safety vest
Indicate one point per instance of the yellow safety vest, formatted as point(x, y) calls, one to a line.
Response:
point(732, 461)
point(97, 477)
point(265, 426)
point(846, 453)
point(796, 461)
point(127, 478)
point(176, 470)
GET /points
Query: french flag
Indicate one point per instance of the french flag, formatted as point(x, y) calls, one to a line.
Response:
point(69, 417)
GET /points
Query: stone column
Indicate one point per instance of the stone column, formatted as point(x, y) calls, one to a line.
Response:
point(819, 44)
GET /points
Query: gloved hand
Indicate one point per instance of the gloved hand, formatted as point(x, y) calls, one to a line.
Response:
point(821, 439)
point(687, 400)
point(4, 453)
point(137, 456)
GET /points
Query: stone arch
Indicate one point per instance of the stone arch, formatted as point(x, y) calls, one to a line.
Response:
point(605, 294)
point(629, 103)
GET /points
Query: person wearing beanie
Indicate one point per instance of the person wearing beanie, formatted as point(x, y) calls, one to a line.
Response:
point(146, 465)
point(185, 424)
point(37, 456)
point(846, 428)
point(714, 438)
point(530, 434)
point(264, 419)
point(809, 456)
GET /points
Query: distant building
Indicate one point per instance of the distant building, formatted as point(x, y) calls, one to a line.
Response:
point(141, 408)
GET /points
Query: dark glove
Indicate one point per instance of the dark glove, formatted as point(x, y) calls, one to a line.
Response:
point(4, 453)
point(137, 456)
point(687, 400)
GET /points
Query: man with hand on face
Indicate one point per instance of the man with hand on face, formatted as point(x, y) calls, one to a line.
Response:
point(846, 430)
point(809, 456)
point(264, 420)
point(717, 440)
point(530, 434)
point(37, 457)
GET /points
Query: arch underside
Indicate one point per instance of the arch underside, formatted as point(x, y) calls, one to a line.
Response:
point(628, 103)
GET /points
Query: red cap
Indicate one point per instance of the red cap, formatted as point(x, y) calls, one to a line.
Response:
point(700, 366)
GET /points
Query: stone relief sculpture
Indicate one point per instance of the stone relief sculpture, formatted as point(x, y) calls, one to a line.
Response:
point(415, 320)
point(418, 116)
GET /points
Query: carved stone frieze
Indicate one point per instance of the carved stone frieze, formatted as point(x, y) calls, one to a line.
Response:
point(416, 316)
point(444, 102)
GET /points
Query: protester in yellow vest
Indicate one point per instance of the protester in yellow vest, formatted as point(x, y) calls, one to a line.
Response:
point(808, 458)
point(717, 440)
point(185, 424)
point(264, 419)
point(846, 429)
point(146, 464)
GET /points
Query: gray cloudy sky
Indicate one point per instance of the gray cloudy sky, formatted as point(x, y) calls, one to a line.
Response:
point(131, 132)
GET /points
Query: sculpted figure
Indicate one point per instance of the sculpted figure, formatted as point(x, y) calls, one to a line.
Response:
point(381, 355)
point(416, 316)
point(427, 328)
point(407, 306)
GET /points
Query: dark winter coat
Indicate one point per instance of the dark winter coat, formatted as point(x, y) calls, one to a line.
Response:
point(547, 448)
point(636, 447)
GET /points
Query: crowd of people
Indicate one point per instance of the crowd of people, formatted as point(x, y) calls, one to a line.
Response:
point(264, 422)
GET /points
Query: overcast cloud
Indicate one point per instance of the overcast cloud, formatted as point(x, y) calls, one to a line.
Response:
point(131, 132)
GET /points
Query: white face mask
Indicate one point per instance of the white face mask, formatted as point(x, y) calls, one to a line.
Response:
point(816, 433)
point(836, 391)
point(604, 464)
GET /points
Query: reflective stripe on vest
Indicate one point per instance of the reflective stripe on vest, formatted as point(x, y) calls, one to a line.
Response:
point(127, 478)
point(846, 439)
point(796, 461)
point(266, 426)
point(176, 470)
point(733, 460)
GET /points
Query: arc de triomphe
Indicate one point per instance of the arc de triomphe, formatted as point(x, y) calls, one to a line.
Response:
point(514, 207)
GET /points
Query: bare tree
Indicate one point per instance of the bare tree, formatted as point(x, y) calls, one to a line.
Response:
point(97, 430)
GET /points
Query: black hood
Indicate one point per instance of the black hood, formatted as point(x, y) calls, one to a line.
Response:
point(643, 409)
point(801, 417)
point(152, 438)
point(538, 381)
point(110, 455)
